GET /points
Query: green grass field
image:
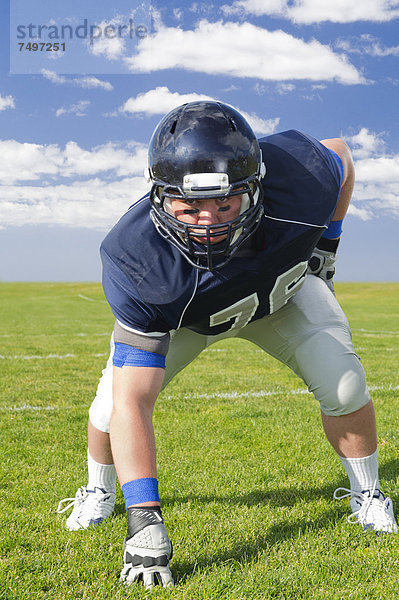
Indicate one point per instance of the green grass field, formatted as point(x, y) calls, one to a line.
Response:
point(245, 472)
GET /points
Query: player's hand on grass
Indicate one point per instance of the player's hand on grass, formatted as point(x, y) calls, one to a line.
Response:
point(147, 553)
point(148, 576)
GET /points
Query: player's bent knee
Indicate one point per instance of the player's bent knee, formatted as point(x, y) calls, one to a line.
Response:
point(349, 395)
point(334, 374)
point(100, 415)
point(101, 407)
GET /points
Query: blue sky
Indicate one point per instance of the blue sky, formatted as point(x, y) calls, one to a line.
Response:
point(75, 122)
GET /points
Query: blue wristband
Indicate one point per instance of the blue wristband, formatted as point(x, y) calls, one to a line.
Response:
point(140, 490)
point(334, 230)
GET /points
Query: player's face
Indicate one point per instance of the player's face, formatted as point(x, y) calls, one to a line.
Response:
point(212, 211)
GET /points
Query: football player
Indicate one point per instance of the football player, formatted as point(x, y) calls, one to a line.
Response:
point(236, 238)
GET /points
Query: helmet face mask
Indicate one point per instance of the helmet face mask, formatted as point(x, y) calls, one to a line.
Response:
point(205, 150)
point(208, 253)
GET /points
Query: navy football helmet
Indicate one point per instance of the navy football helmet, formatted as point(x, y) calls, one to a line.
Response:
point(205, 150)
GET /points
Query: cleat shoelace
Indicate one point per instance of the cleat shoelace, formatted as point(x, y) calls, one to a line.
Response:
point(81, 495)
point(374, 512)
point(87, 504)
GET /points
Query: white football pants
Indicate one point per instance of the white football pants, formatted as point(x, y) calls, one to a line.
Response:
point(310, 334)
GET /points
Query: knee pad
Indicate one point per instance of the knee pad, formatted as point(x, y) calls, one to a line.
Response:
point(333, 373)
point(101, 407)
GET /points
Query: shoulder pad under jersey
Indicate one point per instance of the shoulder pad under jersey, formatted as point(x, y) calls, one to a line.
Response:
point(303, 178)
point(157, 271)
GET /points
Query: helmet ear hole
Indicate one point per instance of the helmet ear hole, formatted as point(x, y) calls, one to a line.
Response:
point(173, 128)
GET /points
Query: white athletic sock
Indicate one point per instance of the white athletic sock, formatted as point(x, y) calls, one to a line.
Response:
point(101, 476)
point(362, 472)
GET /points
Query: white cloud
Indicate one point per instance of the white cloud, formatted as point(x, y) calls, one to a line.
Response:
point(93, 82)
point(365, 214)
point(107, 157)
point(376, 199)
point(23, 162)
point(344, 11)
point(317, 11)
point(79, 109)
point(366, 44)
point(83, 82)
point(177, 14)
point(91, 188)
point(94, 203)
point(260, 88)
point(384, 170)
point(256, 7)
point(54, 77)
point(259, 125)
point(241, 50)
point(111, 48)
point(203, 8)
point(231, 88)
point(161, 100)
point(365, 144)
point(6, 102)
point(69, 186)
point(285, 88)
point(377, 176)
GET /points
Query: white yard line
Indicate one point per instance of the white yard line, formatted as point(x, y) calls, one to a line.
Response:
point(261, 394)
point(91, 299)
point(221, 395)
point(86, 298)
point(383, 388)
point(375, 332)
point(48, 357)
point(108, 334)
point(29, 407)
point(267, 393)
point(69, 335)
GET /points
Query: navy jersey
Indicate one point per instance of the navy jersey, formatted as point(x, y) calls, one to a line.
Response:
point(152, 288)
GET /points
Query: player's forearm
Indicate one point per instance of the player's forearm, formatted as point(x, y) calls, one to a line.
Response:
point(135, 391)
point(133, 443)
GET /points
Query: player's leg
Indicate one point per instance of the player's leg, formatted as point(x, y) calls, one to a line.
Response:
point(146, 535)
point(95, 501)
point(88, 507)
point(311, 335)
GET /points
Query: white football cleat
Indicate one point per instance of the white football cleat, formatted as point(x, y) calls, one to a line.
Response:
point(90, 508)
point(371, 509)
point(146, 556)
